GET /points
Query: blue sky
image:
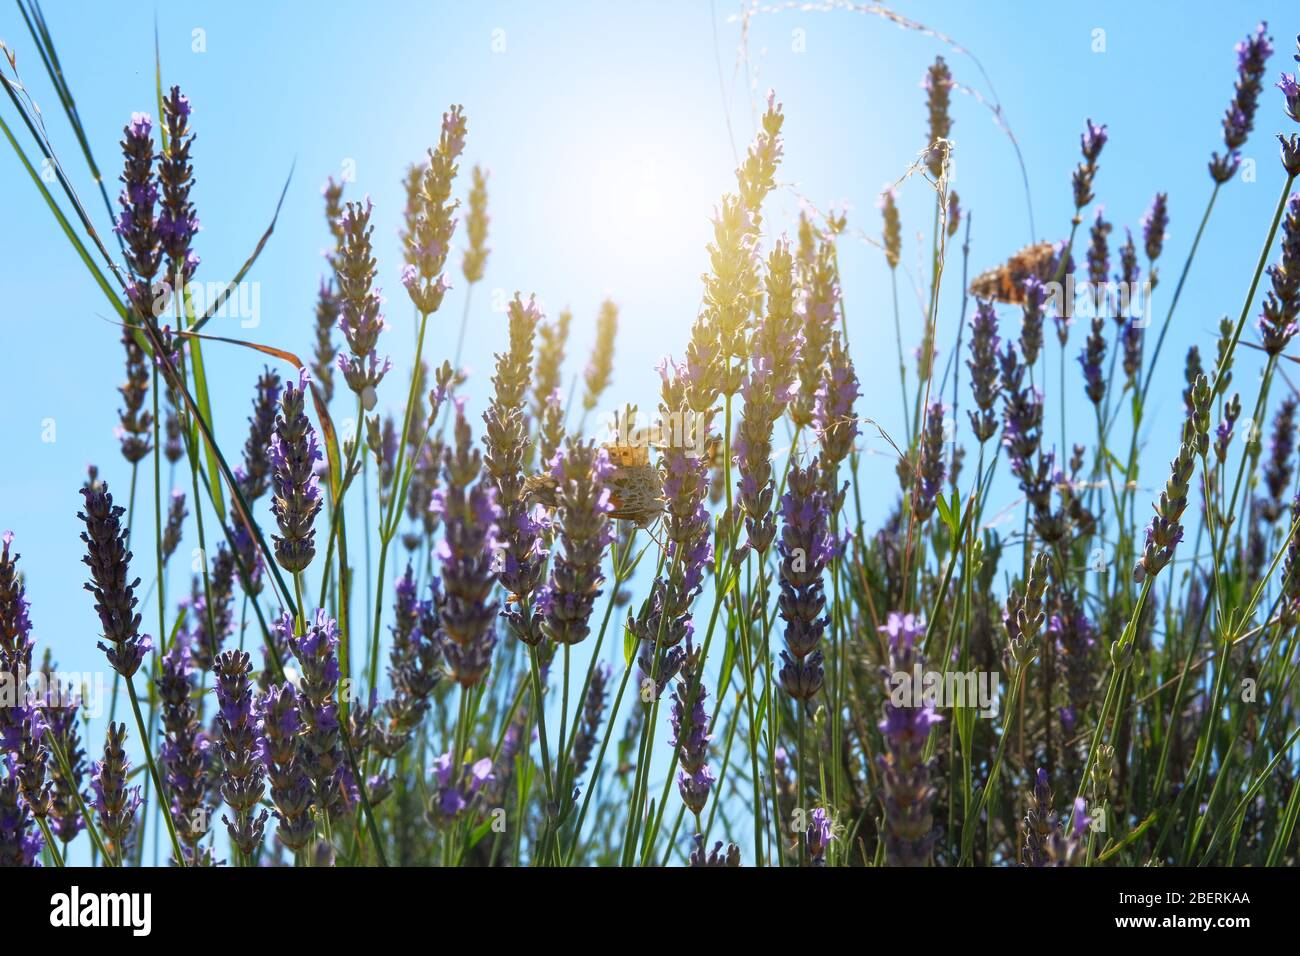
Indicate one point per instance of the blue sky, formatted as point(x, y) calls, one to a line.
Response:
point(605, 127)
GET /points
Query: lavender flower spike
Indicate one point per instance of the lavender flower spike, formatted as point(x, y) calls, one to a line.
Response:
point(316, 651)
point(185, 752)
point(931, 466)
point(359, 302)
point(261, 428)
point(285, 762)
point(818, 836)
point(1091, 143)
point(805, 548)
point(1277, 322)
point(1239, 117)
point(20, 843)
point(1166, 529)
point(115, 802)
point(15, 642)
point(109, 564)
point(242, 773)
point(983, 365)
point(429, 241)
point(690, 723)
point(469, 515)
point(593, 712)
point(294, 453)
point(585, 532)
point(177, 223)
point(908, 793)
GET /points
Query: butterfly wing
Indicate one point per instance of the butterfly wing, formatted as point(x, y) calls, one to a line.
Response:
point(1006, 282)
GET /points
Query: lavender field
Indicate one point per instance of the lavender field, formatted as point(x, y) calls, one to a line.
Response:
point(978, 552)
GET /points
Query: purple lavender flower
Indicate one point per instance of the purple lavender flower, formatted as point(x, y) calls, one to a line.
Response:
point(176, 515)
point(469, 516)
point(1290, 153)
point(316, 651)
point(1278, 468)
point(177, 223)
point(1291, 571)
point(214, 621)
point(253, 481)
point(1022, 412)
point(453, 796)
point(1075, 640)
point(833, 416)
point(522, 560)
point(716, 857)
point(690, 723)
point(283, 755)
point(15, 643)
point(114, 590)
point(61, 716)
point(818, 836)
point(664, 618)
point(186, 751)
point(768, 386)
point(1130, 339)
point(931, 464)
point(30, 761)
point(821, 306)
point(586, 530)
point(248, 557)
point(805, 548)
point(1091, 143)
point(1239, 118)
point(1223, 432)
point(1154, 223)
point(115, 802)
point(324, 351)
point(983, 365)
point(1046, 842)
point(242, 772)
point(1277, 322)
point(174, 446)
point(137, 222)
point(297, 499)
point(1099, 250)
point(413, 663)
point(1290, 88)
point(1031, 326)
point(20, 842)
point(593, 712)
point(1129, 273)
point(1091, 358)
point(360, 320)
point(1040, 825)
point(908, 794)
point(135, 422)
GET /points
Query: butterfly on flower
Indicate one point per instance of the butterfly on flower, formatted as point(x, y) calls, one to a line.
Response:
point(1006, 283)
point(635, 489)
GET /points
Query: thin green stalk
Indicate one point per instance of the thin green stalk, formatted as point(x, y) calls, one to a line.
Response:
point(153, 772)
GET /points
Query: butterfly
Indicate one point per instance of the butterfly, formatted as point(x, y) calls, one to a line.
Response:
point(1006, 282)
point(635, 488)
point(636, 491)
